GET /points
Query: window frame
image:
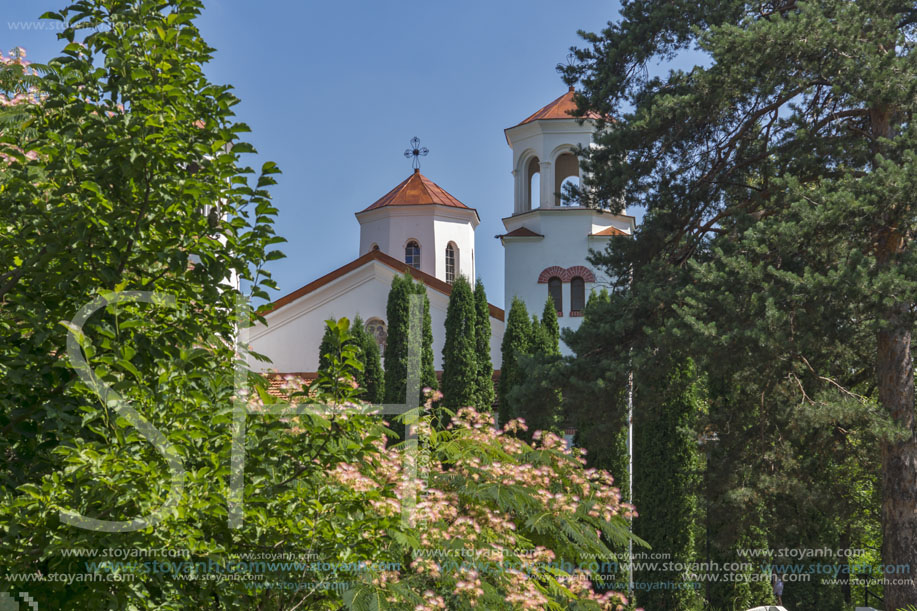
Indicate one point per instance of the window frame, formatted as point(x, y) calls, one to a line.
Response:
point(574, 281)
point(451, 261)
point(559, 298)
point(414, 255)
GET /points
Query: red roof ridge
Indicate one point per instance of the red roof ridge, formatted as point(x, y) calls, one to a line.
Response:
point(373, 255)
point(609, 231)
point(520, 232)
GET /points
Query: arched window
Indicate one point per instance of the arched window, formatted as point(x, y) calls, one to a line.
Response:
point(566, 172)
point(556, 291)
point(577, 294)
point(450, 262)
point(533, 180)
point(376, 327)
point(412, 254)
point(374, 247)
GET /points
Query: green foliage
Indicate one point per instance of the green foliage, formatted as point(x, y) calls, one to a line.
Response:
point(372, 378)
point(667, 401)
point(484, 399)
point(551, 328)
point(126, 172)
point(327, 349)
point(460, 362)
point(396, 347)
point(776, 251)
point(516, 339)
point(538, 375)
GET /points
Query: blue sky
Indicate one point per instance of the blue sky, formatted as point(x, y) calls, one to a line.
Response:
point(334, 91)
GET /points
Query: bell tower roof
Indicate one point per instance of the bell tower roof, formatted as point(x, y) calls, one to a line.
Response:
point(416, 190)
point(563, 107)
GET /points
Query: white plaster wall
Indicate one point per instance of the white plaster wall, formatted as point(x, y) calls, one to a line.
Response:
point(392, 227)
point(451, 229)
point(432, 226)
point(294, 332)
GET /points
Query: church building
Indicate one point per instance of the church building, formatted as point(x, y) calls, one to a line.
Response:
point(421, 229)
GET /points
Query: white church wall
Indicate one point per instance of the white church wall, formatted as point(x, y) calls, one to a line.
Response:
point(294, 331)
point(457, 230)
point(392, 227)
point(433, 227)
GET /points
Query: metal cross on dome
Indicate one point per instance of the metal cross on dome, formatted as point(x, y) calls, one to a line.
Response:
point(416, 151)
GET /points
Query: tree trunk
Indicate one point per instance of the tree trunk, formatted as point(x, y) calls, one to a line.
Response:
point(895, 372)
point(899, 468)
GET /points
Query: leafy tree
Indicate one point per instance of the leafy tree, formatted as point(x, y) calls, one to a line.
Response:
point(327, 348)
point(460, 362)
point(123, 171)
point(485, 384)
point(372, 378)
point(396, 347)
point(516, 338)
point(777, 242)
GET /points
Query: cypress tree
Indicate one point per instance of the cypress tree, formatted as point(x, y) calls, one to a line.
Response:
point(667, 400)
point(516, 340)
point(427, 362)
point(551, 327)
point(396, 348)
point(485, 384)
point(460, 363)
point(372, 378)
point(535, 394)
point(328, 348)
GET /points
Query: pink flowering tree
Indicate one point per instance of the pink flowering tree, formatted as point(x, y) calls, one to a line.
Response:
point(470, 517)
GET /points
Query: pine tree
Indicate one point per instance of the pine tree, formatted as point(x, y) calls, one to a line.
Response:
point(372, 378)
point(460, 363)
point(777, 247)
point(484, 399)
point(516, 339)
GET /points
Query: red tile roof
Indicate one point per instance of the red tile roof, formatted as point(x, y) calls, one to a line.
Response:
point(416, 190)
point(279, 383)
point(609, 231)
point(373, 255)
point(561, 108)
point(521, 232)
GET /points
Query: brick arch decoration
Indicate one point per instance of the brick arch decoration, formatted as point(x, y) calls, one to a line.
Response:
point(578, 270)
point(566, 275)
point(550, 272)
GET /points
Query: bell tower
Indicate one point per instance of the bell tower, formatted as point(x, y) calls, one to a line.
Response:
point(548, 239)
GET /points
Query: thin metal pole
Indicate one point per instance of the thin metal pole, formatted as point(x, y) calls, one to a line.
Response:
point(630, 478)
